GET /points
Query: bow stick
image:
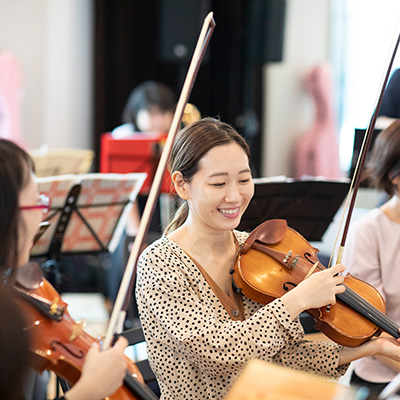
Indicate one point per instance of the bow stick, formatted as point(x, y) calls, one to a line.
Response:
point(125, 290)
point(356, 180)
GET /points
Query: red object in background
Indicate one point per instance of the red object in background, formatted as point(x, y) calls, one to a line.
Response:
point(138, 153)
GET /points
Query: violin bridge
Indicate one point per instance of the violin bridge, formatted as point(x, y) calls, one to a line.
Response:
point(77, 330)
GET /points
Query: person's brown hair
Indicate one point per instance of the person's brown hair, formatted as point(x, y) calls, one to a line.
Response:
point(15, 344)
point(15, 168)
point(384, 164)
point(192, 144)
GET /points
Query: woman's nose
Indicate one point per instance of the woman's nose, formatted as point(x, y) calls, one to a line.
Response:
point(233, 193)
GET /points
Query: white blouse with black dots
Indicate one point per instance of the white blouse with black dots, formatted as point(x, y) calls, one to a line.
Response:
point(195, 349)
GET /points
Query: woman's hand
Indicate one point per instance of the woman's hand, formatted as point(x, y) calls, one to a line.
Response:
point(318, 290)
point(379, 346)
point(102, 374)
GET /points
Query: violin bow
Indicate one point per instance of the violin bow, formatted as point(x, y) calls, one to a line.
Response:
point(356, 180)
point(125, 290)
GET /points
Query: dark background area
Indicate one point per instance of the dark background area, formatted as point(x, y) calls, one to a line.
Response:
point(138, 40)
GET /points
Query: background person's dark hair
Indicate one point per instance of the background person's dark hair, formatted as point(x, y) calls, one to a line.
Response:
point(15, 168)
point(14, 345)
point(147, 96)
point(384, 164)
point(191, 145)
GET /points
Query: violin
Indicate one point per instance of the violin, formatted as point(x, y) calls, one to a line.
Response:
point(59, 344)
point(275, 258)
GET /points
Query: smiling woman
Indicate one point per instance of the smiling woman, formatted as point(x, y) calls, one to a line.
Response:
point(199, 332)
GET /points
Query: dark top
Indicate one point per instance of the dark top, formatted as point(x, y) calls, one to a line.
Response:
point(390, 106)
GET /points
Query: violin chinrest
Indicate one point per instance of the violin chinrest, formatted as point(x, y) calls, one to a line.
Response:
point(269, 232)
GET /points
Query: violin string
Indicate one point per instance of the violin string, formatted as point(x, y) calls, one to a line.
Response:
point(369, 311)
point(308, 263)
point(353, 299)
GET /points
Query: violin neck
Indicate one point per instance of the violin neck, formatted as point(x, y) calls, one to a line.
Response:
point(368, 311)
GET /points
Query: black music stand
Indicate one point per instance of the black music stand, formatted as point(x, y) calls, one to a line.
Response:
point(88, 215)
point(308, 205)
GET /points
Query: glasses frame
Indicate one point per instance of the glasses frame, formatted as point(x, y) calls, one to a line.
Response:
point(44, 204)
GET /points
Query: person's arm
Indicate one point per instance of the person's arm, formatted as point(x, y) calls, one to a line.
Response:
point(102, 373)
point(381, 346)
point(310, 294)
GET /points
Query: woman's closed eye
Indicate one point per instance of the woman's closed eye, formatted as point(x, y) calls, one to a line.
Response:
point(220, 184)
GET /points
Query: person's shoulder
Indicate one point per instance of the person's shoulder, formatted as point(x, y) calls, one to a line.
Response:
point(156, 246)
point(154, 255)
point(123, 131)
point(160, 249)
point(368, 220)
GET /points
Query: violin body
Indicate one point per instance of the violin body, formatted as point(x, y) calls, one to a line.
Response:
point(276, 258)
point(58, 343)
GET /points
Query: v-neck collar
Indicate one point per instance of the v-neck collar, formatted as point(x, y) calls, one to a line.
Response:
point(232, 302)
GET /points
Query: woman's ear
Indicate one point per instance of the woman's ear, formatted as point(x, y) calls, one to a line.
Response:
point(180, 184)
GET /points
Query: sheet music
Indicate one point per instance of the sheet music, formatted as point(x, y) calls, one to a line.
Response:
point(102, 208)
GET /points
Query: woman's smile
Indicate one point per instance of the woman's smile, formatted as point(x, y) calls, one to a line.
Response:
point(229, 212)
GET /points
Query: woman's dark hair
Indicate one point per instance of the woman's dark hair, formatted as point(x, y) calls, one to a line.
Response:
point(192, 144)
point(384, 164)
point(147, 96)
point(14, 345)
point(15, 168)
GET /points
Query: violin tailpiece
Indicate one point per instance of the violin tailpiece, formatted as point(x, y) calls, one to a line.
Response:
point(288, 260)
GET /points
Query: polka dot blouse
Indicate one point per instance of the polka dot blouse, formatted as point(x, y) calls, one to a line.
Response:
point(195, 349)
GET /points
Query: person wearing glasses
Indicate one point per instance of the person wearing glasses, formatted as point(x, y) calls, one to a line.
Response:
point(22, 209)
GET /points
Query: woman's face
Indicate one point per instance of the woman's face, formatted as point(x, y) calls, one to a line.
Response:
point(154, 120)
point(221, 189)
point(30, 220)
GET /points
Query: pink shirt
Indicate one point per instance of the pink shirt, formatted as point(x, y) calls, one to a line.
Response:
point(372, 253)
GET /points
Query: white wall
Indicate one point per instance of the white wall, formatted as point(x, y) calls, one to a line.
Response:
point(288, 111)
point(53, 42)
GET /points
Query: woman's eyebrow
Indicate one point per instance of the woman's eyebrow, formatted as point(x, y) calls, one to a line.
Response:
point(225, 173)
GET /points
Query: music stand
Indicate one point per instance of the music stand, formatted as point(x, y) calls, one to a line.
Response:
point(88, 213)
point(138, 153)
point(51, 162)
point(308, 205)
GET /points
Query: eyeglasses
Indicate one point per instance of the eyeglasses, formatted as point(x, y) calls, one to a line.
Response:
point(44, 204)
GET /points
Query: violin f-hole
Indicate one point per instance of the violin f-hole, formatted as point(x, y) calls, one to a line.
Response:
point(286, 285)
point(79, 354)
point(308, 256)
